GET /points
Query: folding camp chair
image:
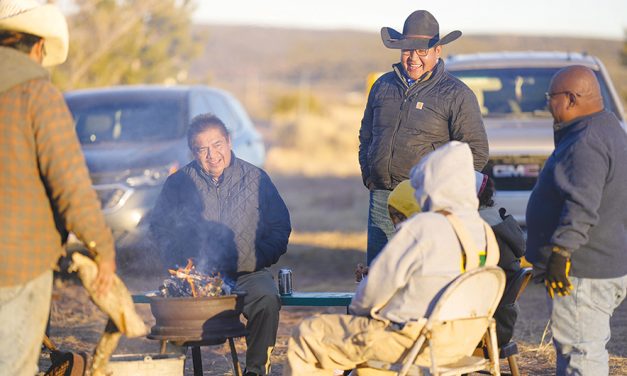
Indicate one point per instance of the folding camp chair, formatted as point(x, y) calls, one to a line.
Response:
point(457, 319)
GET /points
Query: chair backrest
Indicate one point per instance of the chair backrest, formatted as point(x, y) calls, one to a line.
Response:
point(461, 314)
point(517, 285)
point(472, 294)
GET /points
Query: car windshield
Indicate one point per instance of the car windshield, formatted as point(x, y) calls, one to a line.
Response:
point(514, 92)
point(129, 121)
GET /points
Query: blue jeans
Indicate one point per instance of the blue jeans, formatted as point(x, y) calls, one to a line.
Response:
point(580, 324)
point(380, 226)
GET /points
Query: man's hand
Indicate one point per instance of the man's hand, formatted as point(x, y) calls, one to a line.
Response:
point(558, 267)
point(104, 280)
point(360, 272)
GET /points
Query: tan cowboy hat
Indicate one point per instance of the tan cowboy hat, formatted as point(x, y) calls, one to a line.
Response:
point(420, 31)
point(46, 21)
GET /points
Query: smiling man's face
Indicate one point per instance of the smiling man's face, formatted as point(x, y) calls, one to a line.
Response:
point(416, 65)
point(212, 151)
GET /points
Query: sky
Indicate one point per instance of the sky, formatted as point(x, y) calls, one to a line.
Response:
point(605, 19)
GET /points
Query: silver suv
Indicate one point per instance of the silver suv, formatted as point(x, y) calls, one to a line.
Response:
point(510, 88)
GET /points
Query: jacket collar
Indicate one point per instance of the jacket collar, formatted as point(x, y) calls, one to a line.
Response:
point(16, 67)
point(227, 174)
point(426, 77)
point(561, 129)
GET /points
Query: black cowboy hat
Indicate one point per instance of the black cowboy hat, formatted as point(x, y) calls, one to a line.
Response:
point(420, 31)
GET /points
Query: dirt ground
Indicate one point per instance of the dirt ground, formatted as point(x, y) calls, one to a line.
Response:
point(329, 220)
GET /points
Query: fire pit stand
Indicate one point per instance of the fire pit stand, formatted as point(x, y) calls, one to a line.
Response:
point(196, 354)
point(196, 322)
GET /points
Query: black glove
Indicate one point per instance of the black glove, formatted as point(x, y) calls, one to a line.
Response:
point(558, 267)
point(503, 213)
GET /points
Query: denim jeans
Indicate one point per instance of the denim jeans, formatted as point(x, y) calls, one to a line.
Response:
point(23, 317)
point(580, 324)
point(380, 226)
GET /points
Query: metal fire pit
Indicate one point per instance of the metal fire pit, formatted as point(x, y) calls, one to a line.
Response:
point(206, 320)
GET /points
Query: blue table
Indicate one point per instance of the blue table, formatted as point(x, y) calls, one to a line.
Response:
point(141, 298)
point(318, 299)
point(297, 298)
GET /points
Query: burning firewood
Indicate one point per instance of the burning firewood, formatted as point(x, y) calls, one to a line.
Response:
point(189, 282)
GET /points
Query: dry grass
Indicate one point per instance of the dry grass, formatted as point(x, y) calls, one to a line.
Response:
point(316, 145)
point(330, 239)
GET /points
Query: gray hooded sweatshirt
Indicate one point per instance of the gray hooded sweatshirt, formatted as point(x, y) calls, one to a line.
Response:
point(425, 254)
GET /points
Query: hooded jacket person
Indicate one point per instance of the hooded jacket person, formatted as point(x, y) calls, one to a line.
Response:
point(411, 111)
point(44, 183)
point(423, 256)
point(417, 263)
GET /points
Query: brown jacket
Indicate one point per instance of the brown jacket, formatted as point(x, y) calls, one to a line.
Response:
point(45, 189)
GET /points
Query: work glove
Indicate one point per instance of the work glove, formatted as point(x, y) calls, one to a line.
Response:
point(558, 267)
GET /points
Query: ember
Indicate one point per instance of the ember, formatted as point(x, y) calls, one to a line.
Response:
point(186, 282)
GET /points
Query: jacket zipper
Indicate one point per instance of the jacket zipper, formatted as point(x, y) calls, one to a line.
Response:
point(399, 120)
point(219, 202)
point(402, 113)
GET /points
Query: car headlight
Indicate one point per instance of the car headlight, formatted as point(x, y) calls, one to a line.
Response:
point(151, 176)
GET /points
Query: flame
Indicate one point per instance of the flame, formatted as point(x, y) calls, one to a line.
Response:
point(200, 284)
point(184, 273)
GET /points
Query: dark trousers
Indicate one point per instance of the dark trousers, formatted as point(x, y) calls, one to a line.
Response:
point(261, 309)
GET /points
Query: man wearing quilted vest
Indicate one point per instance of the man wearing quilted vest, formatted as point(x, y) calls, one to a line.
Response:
point(227, 214)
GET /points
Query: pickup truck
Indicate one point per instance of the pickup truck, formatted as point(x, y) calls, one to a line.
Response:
point(510, 88)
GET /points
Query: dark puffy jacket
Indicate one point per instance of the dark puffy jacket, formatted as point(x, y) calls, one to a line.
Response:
point(239, 225)
point(401, 124)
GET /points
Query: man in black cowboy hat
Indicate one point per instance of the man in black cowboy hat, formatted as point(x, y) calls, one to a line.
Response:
point(411, 111)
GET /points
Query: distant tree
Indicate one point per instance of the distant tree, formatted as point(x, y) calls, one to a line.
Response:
point(128, 42)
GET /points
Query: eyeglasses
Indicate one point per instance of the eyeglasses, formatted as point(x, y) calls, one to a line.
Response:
point(201, 152)
point(420, 52)
point(548, 95)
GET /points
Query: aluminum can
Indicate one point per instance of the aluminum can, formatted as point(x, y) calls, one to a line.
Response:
point(285, 282)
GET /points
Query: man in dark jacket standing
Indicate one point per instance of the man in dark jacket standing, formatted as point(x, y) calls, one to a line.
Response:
point(577, 223)
point(229, 215)
point(411, 111)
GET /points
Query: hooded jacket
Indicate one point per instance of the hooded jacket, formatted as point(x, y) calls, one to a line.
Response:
point(238, 225)
point(45, 187)
point(402, 123)
point(425, 254)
